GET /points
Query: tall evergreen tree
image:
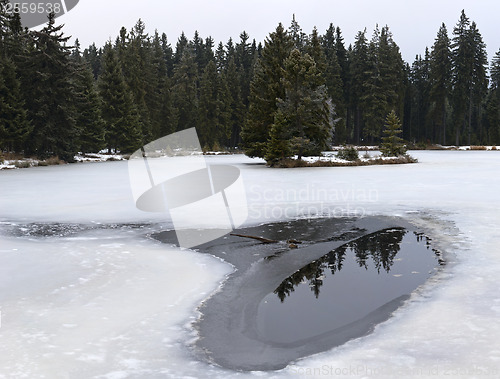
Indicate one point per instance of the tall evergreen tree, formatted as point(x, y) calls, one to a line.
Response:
point(136, 59)
point(265, 88)
point(332, 72)
point(51, 101)
point(198, 48)
point(93, 56)
point(123, 128)
point(343, 62)
point(220, 57)
point(14, 124)
point(237, 107)
point(208, 107)
point(181, 45)
point(479, 86)
point(469, 76)
point(158, 78)
point(302, 118)
point(383, 89)
point(5, 19)
point(298, 37)
point(224, 112)
point(374, 97)
point(493, 102)
point(168, 54)
point(90, 124)
point(440, 83)
point(185, 91)
point(419, 80)
point(244, 60)
point(359, 70)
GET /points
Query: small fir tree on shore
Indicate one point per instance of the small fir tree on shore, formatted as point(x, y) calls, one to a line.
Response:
point(392, 145)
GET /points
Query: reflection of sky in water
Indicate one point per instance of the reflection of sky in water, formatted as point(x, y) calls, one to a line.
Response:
point(346, 285)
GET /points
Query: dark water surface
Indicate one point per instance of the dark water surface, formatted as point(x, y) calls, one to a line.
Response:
point(322, 283)
point(344, 285)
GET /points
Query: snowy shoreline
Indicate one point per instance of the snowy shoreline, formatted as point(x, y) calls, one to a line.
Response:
point(328, 159)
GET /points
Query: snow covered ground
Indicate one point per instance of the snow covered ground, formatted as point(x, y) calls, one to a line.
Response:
point(96, 298)
point(11, 164)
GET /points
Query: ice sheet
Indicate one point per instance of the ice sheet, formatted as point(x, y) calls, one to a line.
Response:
point(110, 303)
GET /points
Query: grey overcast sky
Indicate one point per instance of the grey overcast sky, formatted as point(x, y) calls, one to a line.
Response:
point(414, 24)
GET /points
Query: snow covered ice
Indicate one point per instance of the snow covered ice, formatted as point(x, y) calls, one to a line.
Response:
point(84, 293)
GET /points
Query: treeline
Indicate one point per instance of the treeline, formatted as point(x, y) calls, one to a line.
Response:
point(296, 91)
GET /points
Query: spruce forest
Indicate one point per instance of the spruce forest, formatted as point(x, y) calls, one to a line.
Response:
point(294, 93)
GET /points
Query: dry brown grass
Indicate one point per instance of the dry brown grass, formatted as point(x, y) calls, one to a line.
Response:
point(22, 164)
point(478, 148)
point(52, 161)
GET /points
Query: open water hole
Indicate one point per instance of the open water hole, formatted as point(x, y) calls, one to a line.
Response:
point(346, 285)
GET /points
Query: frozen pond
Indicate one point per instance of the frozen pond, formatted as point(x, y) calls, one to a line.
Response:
point(85, 292)
point(321, 283)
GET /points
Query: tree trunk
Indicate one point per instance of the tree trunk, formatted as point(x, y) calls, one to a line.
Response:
point(470, 115)
point(444, 123)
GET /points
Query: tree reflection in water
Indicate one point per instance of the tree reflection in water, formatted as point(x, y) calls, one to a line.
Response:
point(382, 247)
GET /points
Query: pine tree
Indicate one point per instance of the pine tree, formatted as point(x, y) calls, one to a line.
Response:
point(93, 57)
point(392, 70)
point(182, 44)
point(155, 97)
point(383, 90)
point(440, 83)
point(299, 38)
point(15, 39)
point(343, 62)
point(237, 107)
point(89, 119)
point(14, 125)
point(123, 128)
point(208, 106)
point(220, 57)
point(493, 102)
point(359, 70)
point(135, 56)
point(168, 54)
point(5, 20)
point(469, 79)
point(168, 113)
point(374, 97)
point(279, 144)
point(265, 88)
point(335, 86)
point(419, 80)
point(224, 112)
point(479, 86)
point(198, 48)
point(185, 91)
point(47, 77)
point(463, 62)
point(392, 145)
point(244, 60)
point(303, 113)
point(230, 50)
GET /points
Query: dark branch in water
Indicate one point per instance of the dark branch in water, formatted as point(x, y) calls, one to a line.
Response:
point(261, 239)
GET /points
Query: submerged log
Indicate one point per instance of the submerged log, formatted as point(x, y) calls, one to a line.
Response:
point(261, 239)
